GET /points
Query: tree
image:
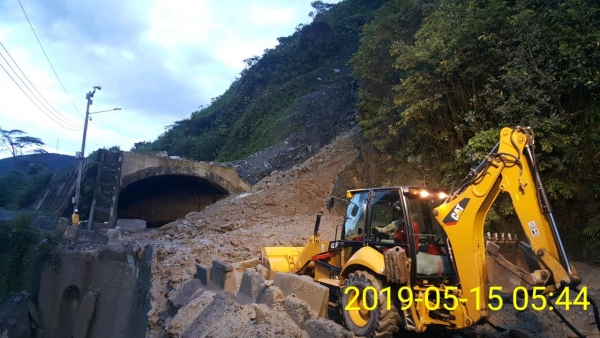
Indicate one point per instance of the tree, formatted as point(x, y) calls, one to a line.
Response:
point(38, 151)
point(319, 7)
point(36, 168)
point(15, 141)
point(141, 146)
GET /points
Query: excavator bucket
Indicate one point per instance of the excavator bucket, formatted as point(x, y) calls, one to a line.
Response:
point(279, 259)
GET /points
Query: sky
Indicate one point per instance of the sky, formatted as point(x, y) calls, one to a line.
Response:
point(157, 60)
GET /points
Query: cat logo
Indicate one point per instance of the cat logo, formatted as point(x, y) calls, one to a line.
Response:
point(454, 215)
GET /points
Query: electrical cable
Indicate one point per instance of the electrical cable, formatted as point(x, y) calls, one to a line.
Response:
point(66, 127)
point(63, 87)
point(59, 115)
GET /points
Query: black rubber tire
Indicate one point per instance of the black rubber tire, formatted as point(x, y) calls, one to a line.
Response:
point(382, 322)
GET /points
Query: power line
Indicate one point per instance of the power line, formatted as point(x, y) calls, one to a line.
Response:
point(59, 116)
point(38, 40)
point(69, 124)
point(48, 103)
point(34, 102)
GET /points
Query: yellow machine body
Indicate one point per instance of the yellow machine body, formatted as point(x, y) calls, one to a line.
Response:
point(470, 261)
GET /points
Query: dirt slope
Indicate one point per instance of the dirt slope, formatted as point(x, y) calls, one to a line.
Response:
point(281, 210)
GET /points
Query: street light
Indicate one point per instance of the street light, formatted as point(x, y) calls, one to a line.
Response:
point(81, 155)
point(102, 111)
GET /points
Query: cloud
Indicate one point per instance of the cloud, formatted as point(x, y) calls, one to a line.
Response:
point(156, 59)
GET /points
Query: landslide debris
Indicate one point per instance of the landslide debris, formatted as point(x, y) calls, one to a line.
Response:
point(280, 210)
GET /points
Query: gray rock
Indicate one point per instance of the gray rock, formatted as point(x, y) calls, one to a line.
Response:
point(186, 292)
point(114, 236)
point(271, 296)
point(262, 270)
point(221, 304)
point(323, 328)
point(297, 309)
point(71, 233)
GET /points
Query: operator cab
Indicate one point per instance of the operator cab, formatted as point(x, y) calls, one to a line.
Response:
point(399, 216)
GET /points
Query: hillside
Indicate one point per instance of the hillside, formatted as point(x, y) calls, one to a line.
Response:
point(23, 178)
point(50, 161)
point(431, 83)
point(301, 91)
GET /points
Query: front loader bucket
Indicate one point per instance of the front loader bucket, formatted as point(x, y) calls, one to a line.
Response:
point(279, 258)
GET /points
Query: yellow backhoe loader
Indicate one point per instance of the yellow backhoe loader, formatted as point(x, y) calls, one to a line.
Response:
point(417, 257)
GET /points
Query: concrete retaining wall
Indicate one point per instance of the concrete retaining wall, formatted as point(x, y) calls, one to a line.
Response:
point(117, 305)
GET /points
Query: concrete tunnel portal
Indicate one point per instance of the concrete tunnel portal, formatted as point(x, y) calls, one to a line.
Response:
point(162, 199)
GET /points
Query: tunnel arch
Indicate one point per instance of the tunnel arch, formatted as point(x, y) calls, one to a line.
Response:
point(160, 199)
point(136, 167)
point(160, 190)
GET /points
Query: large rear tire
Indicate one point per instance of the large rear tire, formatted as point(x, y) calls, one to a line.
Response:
point(382, 320)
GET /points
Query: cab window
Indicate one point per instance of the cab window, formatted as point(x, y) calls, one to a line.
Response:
point(385, 210)
point(355, 217)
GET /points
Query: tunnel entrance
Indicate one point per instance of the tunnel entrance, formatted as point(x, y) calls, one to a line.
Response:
point(162, 199)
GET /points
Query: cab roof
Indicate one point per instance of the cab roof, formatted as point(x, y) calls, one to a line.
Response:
point(403, 188)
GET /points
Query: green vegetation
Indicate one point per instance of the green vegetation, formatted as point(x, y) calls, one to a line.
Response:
point(18, 189)
point(438, 79)
point(17, 238)
point(442, 77)
point(252, 114)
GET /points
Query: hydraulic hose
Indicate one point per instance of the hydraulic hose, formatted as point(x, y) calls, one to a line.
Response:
point(591, 301)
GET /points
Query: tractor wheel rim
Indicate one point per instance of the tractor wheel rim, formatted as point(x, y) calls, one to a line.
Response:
point(361, 316)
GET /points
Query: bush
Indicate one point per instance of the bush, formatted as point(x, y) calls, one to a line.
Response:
point(17, 237)
point(17, 190)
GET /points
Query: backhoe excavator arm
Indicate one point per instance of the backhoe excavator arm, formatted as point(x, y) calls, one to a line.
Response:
point(509, 168)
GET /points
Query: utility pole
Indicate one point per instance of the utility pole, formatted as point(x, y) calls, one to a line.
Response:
point(89, 97)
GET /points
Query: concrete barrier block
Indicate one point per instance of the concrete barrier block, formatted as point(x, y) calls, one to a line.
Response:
point(252, 287)
point(203, 273)
point(130, 225)
point(185, 293)
point(314, 294)
point(222, 276)
point(85, 236)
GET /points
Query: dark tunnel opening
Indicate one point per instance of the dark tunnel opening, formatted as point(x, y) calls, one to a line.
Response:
point(162, 199)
